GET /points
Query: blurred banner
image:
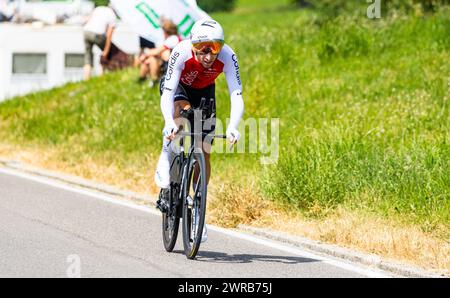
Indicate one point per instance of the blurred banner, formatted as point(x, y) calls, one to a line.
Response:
point(144, 16)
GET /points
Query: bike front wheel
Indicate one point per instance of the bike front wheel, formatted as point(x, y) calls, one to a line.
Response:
point(194, 204)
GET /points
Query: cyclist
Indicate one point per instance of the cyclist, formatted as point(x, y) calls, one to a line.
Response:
point(193, 67)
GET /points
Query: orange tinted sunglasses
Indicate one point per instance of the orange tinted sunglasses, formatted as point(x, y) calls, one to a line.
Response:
point(213, 47)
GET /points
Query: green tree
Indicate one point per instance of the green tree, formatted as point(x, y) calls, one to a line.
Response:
point(101, 2)
point(338, 6)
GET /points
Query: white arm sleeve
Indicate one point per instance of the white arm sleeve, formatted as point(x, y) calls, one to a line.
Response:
point(237, 109)
point(172, 79)
point(234, 82)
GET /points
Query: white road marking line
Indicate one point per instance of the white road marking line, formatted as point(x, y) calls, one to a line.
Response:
point(250, 238)
point(85, 192)
point(299, 252)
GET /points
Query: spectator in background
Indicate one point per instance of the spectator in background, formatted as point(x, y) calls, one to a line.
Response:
point(98, 31)
point(154, 61)
point(145, 44)
point(7, 10)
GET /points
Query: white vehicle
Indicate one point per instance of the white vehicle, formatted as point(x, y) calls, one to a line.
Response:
point(43, 55)
point(50, 12)
point(36, 58)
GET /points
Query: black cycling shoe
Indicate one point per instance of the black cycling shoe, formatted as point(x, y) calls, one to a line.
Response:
point(163, 201)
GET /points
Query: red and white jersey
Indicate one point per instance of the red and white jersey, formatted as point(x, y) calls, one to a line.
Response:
point(184, 69)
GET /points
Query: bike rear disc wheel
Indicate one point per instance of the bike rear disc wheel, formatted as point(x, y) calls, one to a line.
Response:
point(194, 205)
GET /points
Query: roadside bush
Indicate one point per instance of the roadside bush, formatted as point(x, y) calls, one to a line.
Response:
point(411, 5)
point(101, 2)
point(336, 7)
point(216, 5)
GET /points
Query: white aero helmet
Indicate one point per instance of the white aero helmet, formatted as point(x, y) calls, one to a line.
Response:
point(207, 33)
point(207, 30)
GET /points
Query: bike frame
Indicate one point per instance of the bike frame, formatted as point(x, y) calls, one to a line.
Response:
point(180, 171)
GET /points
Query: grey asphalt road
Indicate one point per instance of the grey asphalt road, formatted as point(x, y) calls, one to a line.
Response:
point(45, 231)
